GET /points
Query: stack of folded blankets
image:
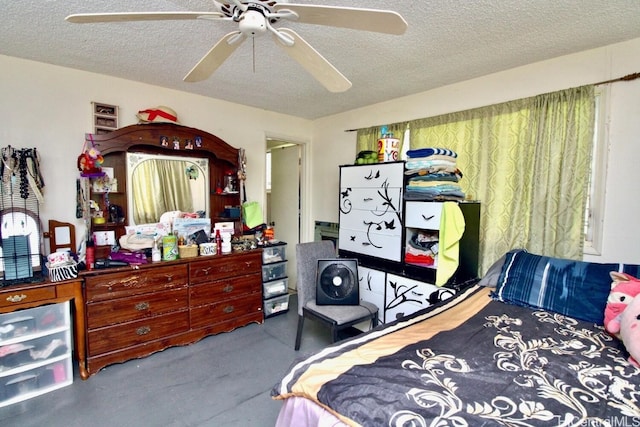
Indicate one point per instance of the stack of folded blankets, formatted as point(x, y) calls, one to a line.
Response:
point(432, 174)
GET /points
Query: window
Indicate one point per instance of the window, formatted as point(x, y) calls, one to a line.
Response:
point(594, 214)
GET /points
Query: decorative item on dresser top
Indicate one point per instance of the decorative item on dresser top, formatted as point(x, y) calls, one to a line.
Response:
point(378, 227)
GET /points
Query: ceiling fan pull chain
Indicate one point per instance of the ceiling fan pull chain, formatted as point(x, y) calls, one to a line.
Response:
point(253, 51)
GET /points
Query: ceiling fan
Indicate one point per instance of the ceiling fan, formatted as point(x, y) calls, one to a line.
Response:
point(256, 17)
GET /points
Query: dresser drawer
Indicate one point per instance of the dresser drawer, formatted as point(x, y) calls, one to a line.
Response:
point(217, 268)
point(12, 297)
point(375, 200)
point(214, 292)
point(383, 246)
point(424, 215)
point(373, 176)
point(405, 296)
point(135, 308)
point(125, 335)
point(208, 315)
point(135, 282)
point(368, 221)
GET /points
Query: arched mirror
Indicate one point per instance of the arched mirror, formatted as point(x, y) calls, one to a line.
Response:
point(157, 184)
point(20, 249)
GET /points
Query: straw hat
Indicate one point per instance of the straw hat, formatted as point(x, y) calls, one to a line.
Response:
point(159, 114)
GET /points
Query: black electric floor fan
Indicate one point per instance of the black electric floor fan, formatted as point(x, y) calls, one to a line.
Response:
point(337, 282)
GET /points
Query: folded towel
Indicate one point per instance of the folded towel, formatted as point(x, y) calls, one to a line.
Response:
point(416, 164)
point(424, 152)
point(434, 157)
point(432, 169)
point(452, 228)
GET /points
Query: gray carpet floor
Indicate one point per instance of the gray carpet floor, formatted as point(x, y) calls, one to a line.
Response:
point(222, 380)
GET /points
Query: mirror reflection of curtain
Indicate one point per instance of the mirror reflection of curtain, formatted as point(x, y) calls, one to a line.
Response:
point(160, 186)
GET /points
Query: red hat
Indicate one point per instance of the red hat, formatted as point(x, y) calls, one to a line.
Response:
point(160, 114)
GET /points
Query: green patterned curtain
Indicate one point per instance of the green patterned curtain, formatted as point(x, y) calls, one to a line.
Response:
point(368, 138)
point(160, 186)
point(528, 163)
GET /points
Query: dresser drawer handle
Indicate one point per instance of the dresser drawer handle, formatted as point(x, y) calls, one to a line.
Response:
point(227, 289)
point(428, 218)
point(228, 309)
point(206, 271)
point(143, 330)
point(16, 298)
point(169, 277)
point(141, 306)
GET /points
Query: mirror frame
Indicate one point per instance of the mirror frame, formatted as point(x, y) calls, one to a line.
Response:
point(146, 138)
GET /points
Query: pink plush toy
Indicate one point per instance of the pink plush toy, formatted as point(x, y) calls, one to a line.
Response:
point(628, 325)
point(623, 289)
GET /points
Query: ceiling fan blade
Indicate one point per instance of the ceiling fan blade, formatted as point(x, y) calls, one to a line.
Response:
point(87, 18)
point(313, 62)
point(381, 21)
point(215, 57)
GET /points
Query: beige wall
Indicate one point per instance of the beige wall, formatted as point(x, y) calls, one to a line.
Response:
point(48, 107)
point(621, 226)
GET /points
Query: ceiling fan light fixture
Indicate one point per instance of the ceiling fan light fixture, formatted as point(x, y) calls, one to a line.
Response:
point(255, 17)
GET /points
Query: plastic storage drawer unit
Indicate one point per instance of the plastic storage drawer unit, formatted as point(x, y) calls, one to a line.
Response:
point(275, 288)
point(274, 271)
point(276, 253)
point(276, 305)
point(35, 352)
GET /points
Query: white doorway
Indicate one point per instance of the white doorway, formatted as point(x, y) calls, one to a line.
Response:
point(284, 165)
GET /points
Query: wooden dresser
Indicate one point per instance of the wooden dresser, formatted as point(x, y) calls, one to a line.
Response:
point(133, 312)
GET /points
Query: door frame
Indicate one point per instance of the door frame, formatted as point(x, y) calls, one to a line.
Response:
point(306, 228)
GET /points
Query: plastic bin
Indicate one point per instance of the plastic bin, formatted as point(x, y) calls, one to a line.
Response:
point(276, 305)
point(275, 288)
point(274, 271)
point(271, 254)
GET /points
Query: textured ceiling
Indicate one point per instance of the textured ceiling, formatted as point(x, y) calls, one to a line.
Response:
point(447, 41)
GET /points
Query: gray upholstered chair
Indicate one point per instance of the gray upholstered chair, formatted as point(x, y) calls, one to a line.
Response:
point(337, 317)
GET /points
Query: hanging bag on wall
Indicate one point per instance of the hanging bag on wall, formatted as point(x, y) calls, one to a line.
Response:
point(252, 214)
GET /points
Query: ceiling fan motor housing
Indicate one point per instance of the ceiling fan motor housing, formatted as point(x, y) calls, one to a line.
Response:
point(252, 22)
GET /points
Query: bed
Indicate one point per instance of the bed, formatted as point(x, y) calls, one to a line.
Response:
point(527, 349)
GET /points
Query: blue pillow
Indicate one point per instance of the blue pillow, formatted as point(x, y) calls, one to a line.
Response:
point(576, 289)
